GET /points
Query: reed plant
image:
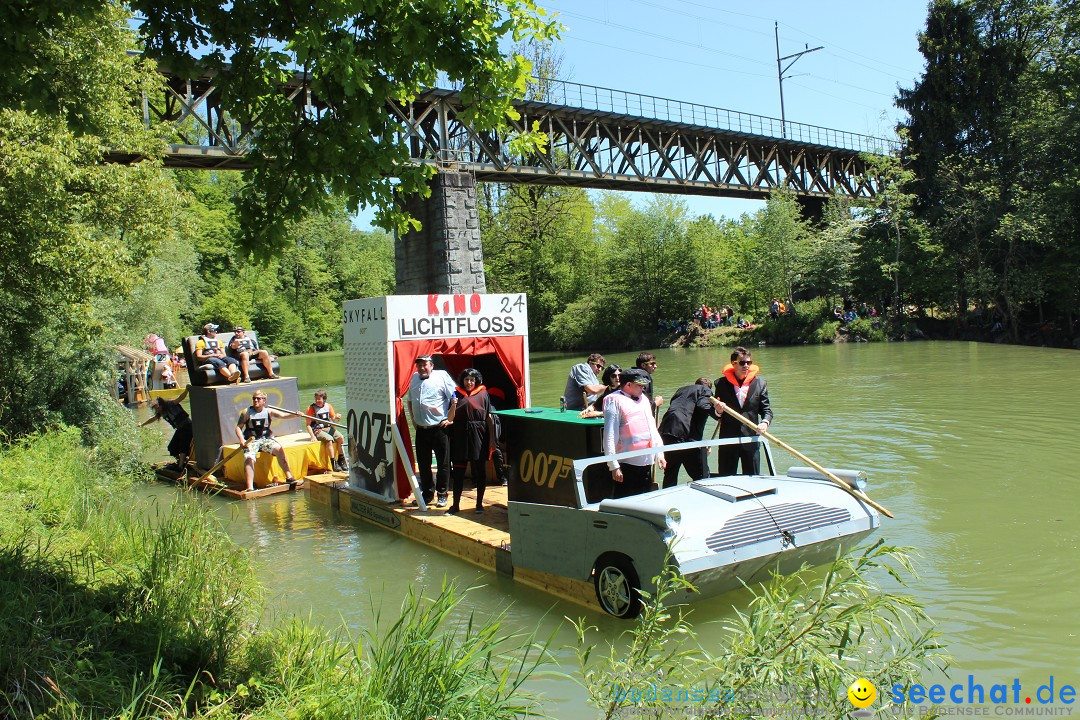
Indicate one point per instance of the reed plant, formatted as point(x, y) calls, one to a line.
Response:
point(801, 642)
point(426, 660)
point(103, 604)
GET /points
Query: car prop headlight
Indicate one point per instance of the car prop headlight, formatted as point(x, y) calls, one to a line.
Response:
point(673, 519)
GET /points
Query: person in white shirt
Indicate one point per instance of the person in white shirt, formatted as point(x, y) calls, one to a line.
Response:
point(432, 404)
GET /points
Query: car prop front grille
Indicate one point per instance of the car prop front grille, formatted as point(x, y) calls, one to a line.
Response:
point(759, 525)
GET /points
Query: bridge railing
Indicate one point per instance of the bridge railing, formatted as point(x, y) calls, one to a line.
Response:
point(592, 97)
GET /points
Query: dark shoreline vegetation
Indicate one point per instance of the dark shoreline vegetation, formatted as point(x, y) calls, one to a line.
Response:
point(112, 610)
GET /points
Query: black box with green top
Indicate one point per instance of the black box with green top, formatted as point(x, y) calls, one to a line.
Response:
point(542, 444)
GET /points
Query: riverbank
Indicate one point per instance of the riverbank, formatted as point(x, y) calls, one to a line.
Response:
point(112, 609)
point(823, 329)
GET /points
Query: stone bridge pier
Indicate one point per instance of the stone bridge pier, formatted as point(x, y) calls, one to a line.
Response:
point(445, 255)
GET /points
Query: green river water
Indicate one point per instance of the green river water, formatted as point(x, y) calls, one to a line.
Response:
point(970, 445)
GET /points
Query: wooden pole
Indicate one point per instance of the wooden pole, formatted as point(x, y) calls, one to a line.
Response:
point(854, 492)
point(220, 463)
point(305, 415)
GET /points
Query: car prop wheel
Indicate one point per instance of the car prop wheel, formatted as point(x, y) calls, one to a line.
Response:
point(616, 586)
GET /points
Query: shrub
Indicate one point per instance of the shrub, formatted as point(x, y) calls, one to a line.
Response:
point(809, 638)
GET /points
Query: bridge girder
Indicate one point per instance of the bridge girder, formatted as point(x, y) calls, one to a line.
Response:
point(586, 148)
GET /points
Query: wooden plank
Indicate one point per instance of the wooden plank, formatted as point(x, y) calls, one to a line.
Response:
point(217, 487)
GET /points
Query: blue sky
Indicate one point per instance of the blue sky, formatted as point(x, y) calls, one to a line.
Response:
point(723, 54)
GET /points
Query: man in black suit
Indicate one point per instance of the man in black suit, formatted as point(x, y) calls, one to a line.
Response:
point(688, 411)
point(742, 387)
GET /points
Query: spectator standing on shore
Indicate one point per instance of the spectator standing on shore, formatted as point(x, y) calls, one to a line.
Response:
point(646, 362)
point(582, 386)
point(629, 425)
point(688, 411)
point(433, 405)
point(743, 389)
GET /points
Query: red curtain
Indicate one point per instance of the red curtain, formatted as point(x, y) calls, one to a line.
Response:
point(456, 354)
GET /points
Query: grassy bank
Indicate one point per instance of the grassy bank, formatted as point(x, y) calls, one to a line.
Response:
point(107, 610)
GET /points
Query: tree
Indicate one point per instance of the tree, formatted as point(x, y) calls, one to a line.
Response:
point(73, 231)
point(781, 245)
point(991, 131)
point(352, 57)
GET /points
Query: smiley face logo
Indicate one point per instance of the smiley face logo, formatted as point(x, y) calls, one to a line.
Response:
point(862, 693)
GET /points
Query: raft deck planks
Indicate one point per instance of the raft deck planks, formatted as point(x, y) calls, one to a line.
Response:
point(483, 540)
point(218, 487)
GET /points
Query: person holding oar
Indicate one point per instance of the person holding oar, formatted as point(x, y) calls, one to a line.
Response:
point(318, 417)
point(253, 429)
point(743, 389)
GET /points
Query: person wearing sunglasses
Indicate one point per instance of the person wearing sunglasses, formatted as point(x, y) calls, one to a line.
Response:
point(742, 387)
point(647, 361)
point(582, 386)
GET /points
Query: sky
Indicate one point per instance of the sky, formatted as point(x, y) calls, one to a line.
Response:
point(723, 54)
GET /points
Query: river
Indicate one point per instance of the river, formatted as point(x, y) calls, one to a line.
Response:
point(942, 428)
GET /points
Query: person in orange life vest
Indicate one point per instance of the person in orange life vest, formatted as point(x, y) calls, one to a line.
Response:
point(471, 436)
point(629, 425)
point(319, 412)
point(742, 387)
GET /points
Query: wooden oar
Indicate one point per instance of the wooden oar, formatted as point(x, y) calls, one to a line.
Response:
point(220, 464)
point(854, 492)
point(305, 415)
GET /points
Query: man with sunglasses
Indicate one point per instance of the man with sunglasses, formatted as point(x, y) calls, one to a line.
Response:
point(582, 386)
point(647, 361)
point(742, 387)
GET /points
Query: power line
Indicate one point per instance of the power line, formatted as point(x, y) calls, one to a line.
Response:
point(664, 57)
point(658, 36)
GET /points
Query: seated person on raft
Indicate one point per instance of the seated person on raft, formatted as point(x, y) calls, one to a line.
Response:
point(210, 351)
point(253, 430)
point(319, 414)
point(246, 351)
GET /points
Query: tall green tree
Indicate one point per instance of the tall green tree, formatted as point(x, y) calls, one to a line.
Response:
point(352, 57)
point(781, 239)
point(992, 125)
point(74, 232)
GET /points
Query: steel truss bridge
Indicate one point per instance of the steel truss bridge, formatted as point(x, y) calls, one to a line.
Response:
point(597, 138)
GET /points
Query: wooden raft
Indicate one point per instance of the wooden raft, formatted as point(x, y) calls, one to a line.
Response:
point(483, 540)
point(167, 472)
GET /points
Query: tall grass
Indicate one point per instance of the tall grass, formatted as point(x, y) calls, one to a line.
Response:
point(420, 663)
point(111, 610)
point(100, 601)
point(792, 653)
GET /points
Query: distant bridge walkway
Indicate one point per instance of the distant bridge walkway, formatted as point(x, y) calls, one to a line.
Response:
point(598, 138)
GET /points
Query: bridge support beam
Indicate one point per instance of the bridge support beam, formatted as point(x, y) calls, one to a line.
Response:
point(445, 255)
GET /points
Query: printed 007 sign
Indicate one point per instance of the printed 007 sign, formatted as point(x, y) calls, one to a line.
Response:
point(384, 335)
